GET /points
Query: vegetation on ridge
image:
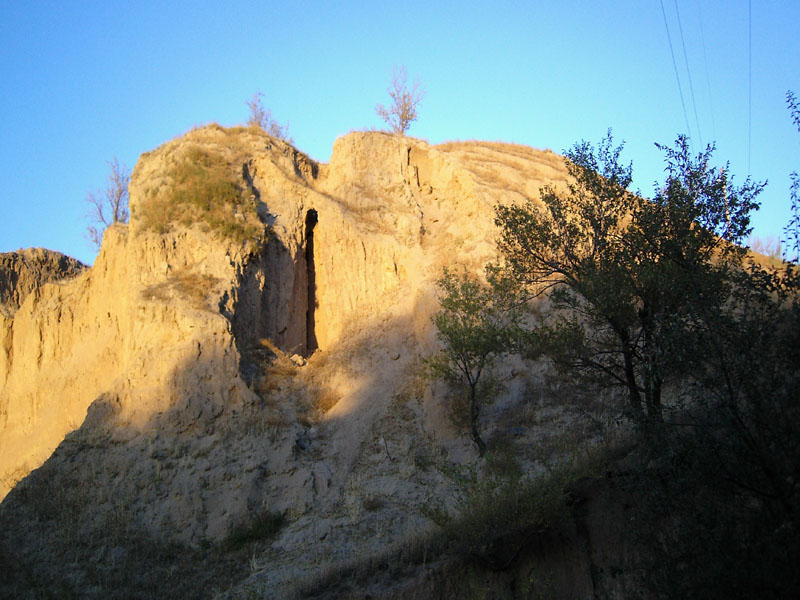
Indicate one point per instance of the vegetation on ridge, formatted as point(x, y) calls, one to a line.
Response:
point(261, 117)
point(207, 189)
point(403, 109)
point(110, 206)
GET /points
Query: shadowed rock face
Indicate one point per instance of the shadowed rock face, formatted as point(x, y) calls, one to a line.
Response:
point(25, 271)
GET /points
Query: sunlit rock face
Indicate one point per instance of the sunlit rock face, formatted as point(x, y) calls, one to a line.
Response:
point(154, 371)
point(22, 273)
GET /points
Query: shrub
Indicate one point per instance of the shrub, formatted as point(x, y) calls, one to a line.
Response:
point(262, 527)
point(262, 117)
point(498, 515)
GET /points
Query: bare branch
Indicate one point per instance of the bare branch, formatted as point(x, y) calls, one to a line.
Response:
point(262, 117)
point(109, 207)
point(403, 110)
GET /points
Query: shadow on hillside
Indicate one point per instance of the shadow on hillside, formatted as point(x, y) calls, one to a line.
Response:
point(124, 511)
point(103, 516)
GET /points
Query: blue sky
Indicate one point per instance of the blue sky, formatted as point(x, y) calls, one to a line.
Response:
point(82, 82)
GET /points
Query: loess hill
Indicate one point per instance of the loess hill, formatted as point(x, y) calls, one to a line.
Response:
point(243, 363)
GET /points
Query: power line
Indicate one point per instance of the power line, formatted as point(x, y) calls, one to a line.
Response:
point(688, 74)
point(677, 77)
point(705, 68)
point(749, 80)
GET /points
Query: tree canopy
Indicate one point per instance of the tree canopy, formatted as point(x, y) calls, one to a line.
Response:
point(403, 109)
point(627, 274)
point(475, 324)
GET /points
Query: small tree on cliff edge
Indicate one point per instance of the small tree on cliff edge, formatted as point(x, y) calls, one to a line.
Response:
point(403, 110)
point(110, 206)
point(262, 117)
point(476, 324)
point(792, 231)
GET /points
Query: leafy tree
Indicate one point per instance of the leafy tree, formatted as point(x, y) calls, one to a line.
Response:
point(403, 110)
point(262, 117)
point(476, 324)
point(722, 481)
point(627, 275)
point(111, 206)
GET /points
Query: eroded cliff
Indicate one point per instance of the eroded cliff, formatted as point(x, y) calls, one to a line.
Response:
point(23, 272)
point(259, 355)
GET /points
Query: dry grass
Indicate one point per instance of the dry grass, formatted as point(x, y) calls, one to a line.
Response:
point(258, 527)
point(183, 283)
point(280, 381)
point(345, 577)
point(520, 151)
point(324, 398)
point(323, 394)
point(509, 167)
point(278, 370)
point(497, 518)
point(203, 186)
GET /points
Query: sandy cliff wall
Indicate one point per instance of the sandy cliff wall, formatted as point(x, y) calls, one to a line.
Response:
point(101, 334)
point(153, 336)
point(25, 271)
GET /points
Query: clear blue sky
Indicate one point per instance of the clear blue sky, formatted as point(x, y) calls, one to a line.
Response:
point(82, 82)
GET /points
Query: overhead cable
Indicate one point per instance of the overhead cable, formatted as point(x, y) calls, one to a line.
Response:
point(677, 77)
point(705, 68)
point(749, 80)
point(688, 74)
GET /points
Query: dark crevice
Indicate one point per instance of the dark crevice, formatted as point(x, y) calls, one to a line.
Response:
point(311, 337)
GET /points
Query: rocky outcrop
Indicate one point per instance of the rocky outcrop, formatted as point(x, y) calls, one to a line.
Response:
point(23, 272)
point(157, 386)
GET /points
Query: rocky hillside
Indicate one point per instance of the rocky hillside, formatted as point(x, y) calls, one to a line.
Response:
point(241, 368)
point(23, 272)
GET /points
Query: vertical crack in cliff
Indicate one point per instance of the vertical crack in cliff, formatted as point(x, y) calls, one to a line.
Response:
point(311, 337)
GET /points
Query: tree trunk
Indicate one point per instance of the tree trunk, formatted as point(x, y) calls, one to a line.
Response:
point(633, 388)
point(652, 375)
point(473, 420)
point(654, 411)
point(630, 375)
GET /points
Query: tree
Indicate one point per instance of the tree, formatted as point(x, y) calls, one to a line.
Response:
point(109, 207)
point(792, 230)
point(769, 246)
point(725, 475)
point(626, 275)
point(262, 117)
point(476, 324)
point(403, 110)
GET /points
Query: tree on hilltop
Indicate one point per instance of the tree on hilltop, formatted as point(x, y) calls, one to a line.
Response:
point(262, 117)
point(403, 110)
point(108, 207)
point(792, 230)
